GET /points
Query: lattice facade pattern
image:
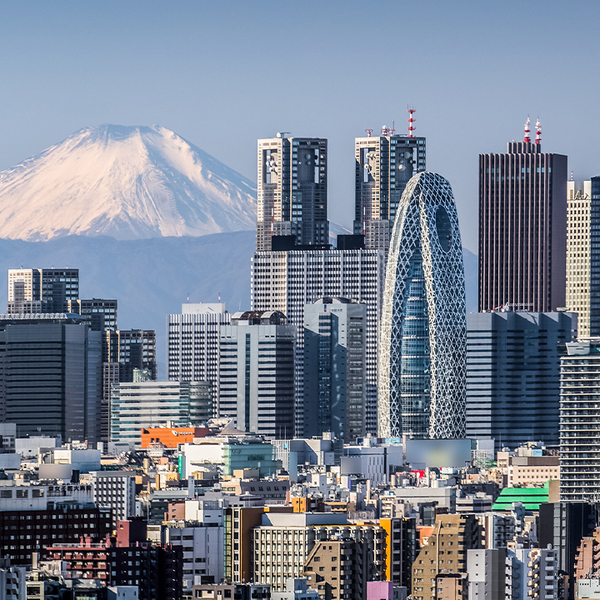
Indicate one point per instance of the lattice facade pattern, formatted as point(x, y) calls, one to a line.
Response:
point(422, 350)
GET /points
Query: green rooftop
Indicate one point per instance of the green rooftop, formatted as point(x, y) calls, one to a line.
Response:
point(530, 498)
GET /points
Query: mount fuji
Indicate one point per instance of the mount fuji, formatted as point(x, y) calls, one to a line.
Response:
point(126, 183)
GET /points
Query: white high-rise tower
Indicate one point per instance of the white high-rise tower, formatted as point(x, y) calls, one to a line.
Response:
point(422, 350)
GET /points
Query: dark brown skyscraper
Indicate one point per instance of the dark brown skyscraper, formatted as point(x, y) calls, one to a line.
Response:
point(522, 227)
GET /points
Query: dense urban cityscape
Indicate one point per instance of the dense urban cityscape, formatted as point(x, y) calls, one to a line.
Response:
point(353, 433)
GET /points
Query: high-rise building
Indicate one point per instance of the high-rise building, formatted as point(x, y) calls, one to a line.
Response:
point(50, 287)
point(133, 349)
point(256, 373)
point(422, 351)
point(522, 228)
point(50, 376)
point(335, 381)
point(513, 375)
point(289, 280)
point(579, 423)
point(384, 165)
point(124, 351)
point(100, 314)
point(193, 338)
point(292, 191)
point(583, 255)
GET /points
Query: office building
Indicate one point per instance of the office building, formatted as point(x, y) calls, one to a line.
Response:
point(522, 228)
point(256, 373)
point(239, 525)
point(384, 165)
point(41, 290)
point(287, 281)
point(115, 490)
point(513, 375)
point(99, 314)
point(144, 404)
point(292, 191)
point(583, 255)
point(50, 376)
point(125, 351)
point(285, 545)
point(193, 338)
point(422, 351)
point(133, 349)
point(579, 423)
point(335, 331)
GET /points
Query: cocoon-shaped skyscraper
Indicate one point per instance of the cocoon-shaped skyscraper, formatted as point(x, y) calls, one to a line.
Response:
point(423, 329)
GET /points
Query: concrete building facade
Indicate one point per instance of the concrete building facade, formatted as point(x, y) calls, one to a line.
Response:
point(292, 191)
point(384, 165)
point(256, 373)
point(193, 338)
point(583, 255)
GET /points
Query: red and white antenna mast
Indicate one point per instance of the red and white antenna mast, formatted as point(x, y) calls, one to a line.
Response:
point(411, 120)
point(527, 138)
point(369, 132)
point(538, 132)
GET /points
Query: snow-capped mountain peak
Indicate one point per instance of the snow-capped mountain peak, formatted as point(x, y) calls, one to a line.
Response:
point(123, 182)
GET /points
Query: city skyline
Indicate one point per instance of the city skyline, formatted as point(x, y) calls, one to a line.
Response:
point(201, 69)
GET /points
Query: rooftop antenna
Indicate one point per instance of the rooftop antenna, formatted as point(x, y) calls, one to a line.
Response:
point(188, 297)
point(527, 138)
point(411, 120)
point(572, 176)
point(219, 297)
point(538, 132)
point(369, 132)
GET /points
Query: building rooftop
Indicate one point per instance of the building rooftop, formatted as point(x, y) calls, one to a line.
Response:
point(531, 498)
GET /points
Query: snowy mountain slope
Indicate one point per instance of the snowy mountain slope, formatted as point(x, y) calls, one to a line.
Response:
point(126, 183)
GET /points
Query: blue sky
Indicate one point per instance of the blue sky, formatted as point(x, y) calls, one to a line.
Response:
point(223, 74)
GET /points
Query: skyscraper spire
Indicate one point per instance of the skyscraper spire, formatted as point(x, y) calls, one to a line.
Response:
point(411, 120)
point(527, 137)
